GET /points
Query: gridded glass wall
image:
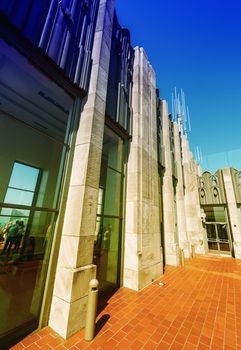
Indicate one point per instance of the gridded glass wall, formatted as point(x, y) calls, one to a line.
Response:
point(35, 120)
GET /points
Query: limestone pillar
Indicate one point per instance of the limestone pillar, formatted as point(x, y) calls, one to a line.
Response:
point(180, 206)
point(192, 204)
point(233, 212)
point(75, 268)
point(143, 259)
point(169, 209)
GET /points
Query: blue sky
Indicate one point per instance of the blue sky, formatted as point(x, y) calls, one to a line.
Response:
point(195, 45)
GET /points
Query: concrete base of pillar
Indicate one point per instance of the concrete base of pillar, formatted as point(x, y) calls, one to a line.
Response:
point(68, 309)
point(67, 318)
point(149, 274)
point(138, 280)
point(200, 249)
point(187, 253)
point(172, 254)
point(237, 250)
point(173, 259)
point(185, 245)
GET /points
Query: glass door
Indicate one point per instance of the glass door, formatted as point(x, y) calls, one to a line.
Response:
point(223, 240)
point(218, 238)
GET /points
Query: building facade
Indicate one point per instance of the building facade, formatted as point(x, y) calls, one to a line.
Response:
point(97, 178)
point(220, 201)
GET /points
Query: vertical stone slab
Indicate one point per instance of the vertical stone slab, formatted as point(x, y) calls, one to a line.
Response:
point(143, 259)
point(180, 206)
point(74, 268)
point(233, 212)
point(169, 210)
point(192, 204)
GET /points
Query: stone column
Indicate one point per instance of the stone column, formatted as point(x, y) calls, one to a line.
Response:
point(169, 210)
point(143, 259)
point(192, 204)
point(180, 206)
point(75, 268)
point(233, 212)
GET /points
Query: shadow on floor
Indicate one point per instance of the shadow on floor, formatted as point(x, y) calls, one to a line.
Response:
point(101, 322)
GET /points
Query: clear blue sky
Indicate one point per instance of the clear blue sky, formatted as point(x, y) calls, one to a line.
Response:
point(195, 45)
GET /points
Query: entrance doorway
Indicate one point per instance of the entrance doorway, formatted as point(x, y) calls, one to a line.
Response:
point(218, 238)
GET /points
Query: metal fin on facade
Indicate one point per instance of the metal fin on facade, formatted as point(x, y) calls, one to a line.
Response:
point(118, 105)
point(64, 30)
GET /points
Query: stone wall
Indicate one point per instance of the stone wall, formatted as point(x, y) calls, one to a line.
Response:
point(75, 269)
point(143, 258)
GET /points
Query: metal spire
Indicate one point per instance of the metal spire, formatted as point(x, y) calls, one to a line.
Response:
point(180, 112)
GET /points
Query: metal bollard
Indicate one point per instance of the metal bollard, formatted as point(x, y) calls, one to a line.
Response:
point(182, 261)
point(193, 251)
point(91, 310)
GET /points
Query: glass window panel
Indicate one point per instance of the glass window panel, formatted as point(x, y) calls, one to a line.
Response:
point(112, 150)
point(24, 177)
point(212, 245)
point(112, 201)
point(222, 231)
point(106, 252)
point(211, 232)
point(100, 201)
point(23, 270)
point(224, 247)
point(215, 214)
point(11, 214)
point(14, 196)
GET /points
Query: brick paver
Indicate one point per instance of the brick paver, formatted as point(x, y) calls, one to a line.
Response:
point(198, 307)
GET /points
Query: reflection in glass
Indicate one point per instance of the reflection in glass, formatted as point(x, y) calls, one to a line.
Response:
point(215, 214)
point(224, 247)
point(112, 153)
point(23, 247)
point(222, 231)
point(108, 221)
point(106, 252)
point(211, 232)
point(16, 196)
point(212, 245)
point(24, 177)
point(35, 137)
point(112, 193)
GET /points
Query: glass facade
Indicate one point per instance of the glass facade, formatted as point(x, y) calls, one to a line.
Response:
point(109, 212)
point(35, 118)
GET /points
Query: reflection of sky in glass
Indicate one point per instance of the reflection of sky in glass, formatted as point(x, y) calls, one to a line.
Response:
point(23, 182)
point(228, 159)
point(24, 177)
point(19, 197)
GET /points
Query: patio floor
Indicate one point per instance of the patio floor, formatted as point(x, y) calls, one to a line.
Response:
point(193, 307)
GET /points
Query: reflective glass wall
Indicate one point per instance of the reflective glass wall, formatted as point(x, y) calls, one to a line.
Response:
point(215, 161)
point(107, 248)
point(35, 117)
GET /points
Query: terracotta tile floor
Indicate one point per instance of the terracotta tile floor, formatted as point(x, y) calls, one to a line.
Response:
point(199, 307)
